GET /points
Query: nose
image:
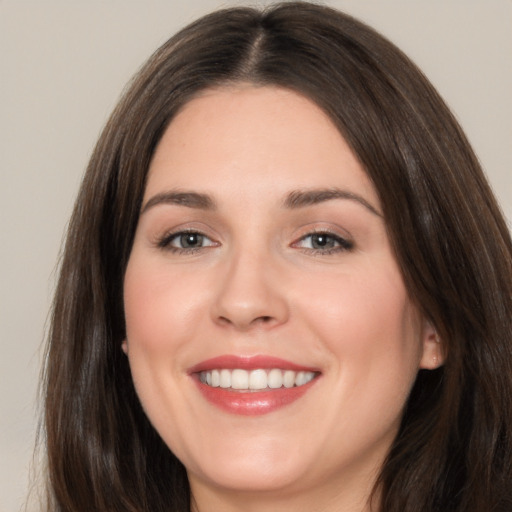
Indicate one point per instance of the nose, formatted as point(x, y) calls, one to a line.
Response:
point(250, 293)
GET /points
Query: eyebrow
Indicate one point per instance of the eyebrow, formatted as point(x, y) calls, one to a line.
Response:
point(181, 198)
point(303, 198)
point(294, 200)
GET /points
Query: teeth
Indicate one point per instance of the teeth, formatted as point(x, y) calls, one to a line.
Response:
point(258, 379)
point(225, 378)
point(274, 379)
point(239, 379)
point(289, 379)
point(300, 379)
point(255, 379)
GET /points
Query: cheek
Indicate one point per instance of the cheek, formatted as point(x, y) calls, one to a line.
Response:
point(160, 307)
point(373, 333)
point(367, 321)
point(160, 318)
point(158, 325)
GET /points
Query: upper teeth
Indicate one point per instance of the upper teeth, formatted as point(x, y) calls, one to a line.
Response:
point(255, 379)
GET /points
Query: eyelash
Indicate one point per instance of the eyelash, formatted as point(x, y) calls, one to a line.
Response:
point(166, 241)
point(340, 244)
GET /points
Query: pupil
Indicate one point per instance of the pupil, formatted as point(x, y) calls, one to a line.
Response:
point(190, 240)
point(322, 241)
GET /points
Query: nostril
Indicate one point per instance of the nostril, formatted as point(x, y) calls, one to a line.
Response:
point(224, 320)
point(263, 319)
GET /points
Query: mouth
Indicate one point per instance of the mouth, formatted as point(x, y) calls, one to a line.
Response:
point(252, 385)
point(239, 379)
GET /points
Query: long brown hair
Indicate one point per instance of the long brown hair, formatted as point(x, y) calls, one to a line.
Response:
point(454, 449)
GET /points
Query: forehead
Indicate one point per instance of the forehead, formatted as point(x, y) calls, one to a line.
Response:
point(251, 136)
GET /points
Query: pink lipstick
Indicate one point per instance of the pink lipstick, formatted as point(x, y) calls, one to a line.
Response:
point(252, 385)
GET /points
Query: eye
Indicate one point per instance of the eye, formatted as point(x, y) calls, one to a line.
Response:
point(325, 243)
point(186, 241)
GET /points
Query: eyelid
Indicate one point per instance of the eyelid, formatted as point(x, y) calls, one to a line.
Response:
point(345, 241)
point(164, 241)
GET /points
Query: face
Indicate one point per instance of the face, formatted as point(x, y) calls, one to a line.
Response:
point(271, 339)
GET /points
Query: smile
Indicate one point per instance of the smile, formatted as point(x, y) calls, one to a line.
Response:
point(255, 380)
point(252, 385)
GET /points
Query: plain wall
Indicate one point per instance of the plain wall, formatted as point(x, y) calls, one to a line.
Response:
point(63, 64)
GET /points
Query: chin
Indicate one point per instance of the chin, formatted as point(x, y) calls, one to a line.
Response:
point(251, 476)
point(269, 466)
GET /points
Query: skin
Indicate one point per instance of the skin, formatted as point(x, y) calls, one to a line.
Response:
point(258, 285)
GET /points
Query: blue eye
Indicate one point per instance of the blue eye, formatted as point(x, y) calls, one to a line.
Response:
point(186, 241)
point(324, 243)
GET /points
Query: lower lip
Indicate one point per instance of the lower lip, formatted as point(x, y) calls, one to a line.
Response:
point(253, 403)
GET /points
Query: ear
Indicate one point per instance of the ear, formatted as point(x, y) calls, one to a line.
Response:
point(433, 350)
point(124, 346)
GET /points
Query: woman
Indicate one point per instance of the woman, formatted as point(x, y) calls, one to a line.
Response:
point(286, 286)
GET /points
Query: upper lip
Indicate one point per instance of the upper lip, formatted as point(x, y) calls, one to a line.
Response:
point(231, 362)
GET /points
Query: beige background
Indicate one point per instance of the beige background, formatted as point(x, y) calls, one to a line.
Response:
point(62, 67)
